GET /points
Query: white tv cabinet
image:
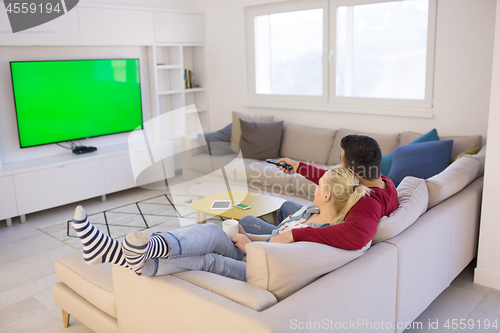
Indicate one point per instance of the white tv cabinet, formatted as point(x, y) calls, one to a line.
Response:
point(43, 183)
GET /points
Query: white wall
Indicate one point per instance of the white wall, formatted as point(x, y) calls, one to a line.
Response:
point(464, 47)
point(488, 265)
point(170, 4)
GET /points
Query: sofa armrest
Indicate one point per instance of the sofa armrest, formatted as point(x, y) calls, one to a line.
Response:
point(169, 303)
point(285, 268)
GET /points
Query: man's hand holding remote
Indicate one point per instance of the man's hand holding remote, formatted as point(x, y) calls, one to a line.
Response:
point(291, 162)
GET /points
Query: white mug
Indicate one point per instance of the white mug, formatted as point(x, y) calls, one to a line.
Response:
point(230, 227)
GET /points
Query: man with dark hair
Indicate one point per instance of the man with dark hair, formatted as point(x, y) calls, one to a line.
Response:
point(361, 154)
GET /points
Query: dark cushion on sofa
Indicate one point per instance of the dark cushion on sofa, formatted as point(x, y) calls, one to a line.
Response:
point(421, 160)
point(260, 140)
point(218, 142)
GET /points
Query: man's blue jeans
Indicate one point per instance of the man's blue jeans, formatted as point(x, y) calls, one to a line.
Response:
point(256, 226)
point(203, 247)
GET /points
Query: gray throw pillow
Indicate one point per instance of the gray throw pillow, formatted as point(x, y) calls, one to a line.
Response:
point(260, 140)
point(218, 142)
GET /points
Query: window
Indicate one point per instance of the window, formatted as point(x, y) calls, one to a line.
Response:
point(287, 51)
point(343, 55)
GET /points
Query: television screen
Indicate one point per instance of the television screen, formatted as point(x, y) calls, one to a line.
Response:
point(74, 99)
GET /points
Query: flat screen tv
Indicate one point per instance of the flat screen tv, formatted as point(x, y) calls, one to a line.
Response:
point(68, 100)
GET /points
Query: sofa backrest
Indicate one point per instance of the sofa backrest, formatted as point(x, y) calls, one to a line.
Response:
point(387, 143)
point(322, 146)
point(460, 143)
point(305, 143)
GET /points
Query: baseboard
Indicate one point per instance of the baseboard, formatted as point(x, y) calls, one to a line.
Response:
point(487, 278)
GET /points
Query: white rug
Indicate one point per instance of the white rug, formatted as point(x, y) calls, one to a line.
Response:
point(132, 217)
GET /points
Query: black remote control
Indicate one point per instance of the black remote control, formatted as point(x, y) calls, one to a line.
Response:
point(288, 167)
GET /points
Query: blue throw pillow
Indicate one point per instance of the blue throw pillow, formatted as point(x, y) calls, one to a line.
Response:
point(219, 142)
point(421, 160)
point(385, 167)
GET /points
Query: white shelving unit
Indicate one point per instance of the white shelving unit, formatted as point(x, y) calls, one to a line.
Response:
point(170, 61)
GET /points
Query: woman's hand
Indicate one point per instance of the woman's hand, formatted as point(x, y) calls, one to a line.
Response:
point(240, 240)
point(291, 162)
point(241, 230)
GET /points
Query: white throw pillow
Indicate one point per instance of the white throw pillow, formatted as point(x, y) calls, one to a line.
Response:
point(451, 180)
point(283, 269)
point(413, 198)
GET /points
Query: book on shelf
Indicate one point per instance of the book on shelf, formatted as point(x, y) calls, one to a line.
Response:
point(188, 79)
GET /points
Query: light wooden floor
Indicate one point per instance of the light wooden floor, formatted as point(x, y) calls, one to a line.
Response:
point(27, 274)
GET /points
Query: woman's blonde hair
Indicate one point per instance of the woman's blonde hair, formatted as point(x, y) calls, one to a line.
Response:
point(345, 189)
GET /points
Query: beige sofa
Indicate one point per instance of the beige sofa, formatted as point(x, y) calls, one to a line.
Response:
point(415, 255)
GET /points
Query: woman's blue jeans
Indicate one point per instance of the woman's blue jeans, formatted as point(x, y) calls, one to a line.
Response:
point(203, 247)
point(256, 226)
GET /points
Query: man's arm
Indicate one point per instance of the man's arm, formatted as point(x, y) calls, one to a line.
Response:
point(284, 238)
point(307, 170)
point(311, 172)
point(358, 229)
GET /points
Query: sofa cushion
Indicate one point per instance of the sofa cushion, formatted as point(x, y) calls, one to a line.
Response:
point(218, 142)
point(464, 143)
point(451, 180)
point(387, 143)
point(422, 160)
point(308, 144)
point(260, 140)
point(413, 198)
point(408, 136)
point(460, 143)
point(387, 159)
point(283, 269)
point(472, 151)
point(236, 129)
point(480, 156)
point(94, 283)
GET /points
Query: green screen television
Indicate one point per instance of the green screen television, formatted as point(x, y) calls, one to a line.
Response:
point(68, 100)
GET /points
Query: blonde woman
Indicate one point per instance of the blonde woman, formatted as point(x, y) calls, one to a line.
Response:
point(338, 190)
point(206, 247)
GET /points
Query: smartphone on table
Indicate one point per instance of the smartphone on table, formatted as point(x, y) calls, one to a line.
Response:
point(242, 206)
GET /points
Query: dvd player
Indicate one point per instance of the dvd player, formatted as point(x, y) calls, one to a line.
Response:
point(83, 149)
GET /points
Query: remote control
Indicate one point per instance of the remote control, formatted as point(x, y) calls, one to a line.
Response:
point(288, 167)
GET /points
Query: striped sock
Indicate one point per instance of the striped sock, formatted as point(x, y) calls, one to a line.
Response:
point(97, 247)
point(139, 247)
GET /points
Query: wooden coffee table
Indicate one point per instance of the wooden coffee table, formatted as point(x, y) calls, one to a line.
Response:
point(260, 205)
